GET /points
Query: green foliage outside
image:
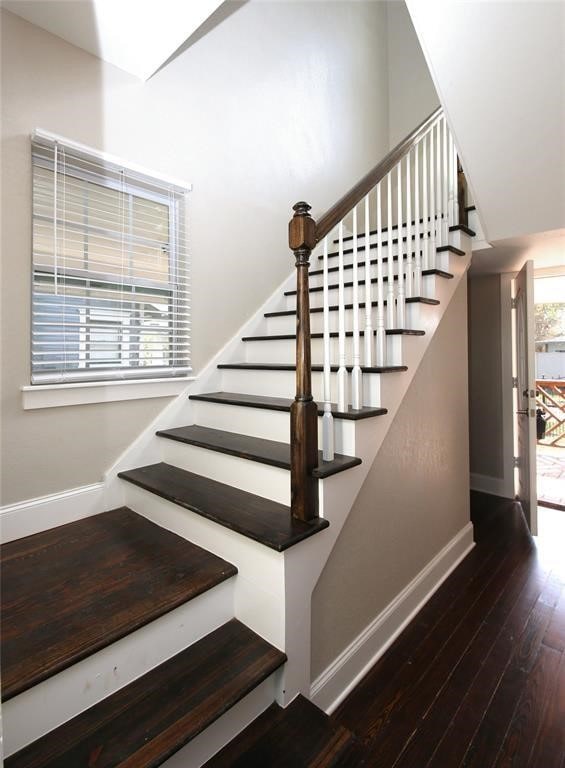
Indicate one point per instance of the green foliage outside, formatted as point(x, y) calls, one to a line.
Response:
point(550, 320)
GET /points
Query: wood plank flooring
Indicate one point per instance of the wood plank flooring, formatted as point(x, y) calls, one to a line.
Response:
point(478, 678)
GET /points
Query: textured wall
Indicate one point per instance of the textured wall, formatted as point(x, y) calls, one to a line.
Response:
point(414, 500)
point(485, 376)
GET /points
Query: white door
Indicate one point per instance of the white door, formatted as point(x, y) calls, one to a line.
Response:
point(525, 399)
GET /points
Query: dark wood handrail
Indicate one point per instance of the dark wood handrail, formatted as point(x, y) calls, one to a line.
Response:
point(304, 234)
point(345, 204)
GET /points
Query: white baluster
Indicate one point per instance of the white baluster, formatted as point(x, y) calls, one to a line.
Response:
point(381, 333)
point(390, 306)
point(433, 242)
point(368, 332)
point(445, 203)
point(426, 209)
point(418, 257)
point(327, 418)
point(409, 276)
point(454, 184)
point(438, 185)
point(450, 182)
point(356, 372)
point(342, 371)
point(400, 299)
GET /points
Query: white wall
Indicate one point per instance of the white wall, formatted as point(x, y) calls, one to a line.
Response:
point(550, 365)
point(412, 96)
point(499, 69)
point(415, 498)
point(278, 102)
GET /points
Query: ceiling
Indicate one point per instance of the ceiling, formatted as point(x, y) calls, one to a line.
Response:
point(138, 36)
point(547, 251)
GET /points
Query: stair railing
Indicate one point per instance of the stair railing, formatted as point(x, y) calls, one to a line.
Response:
point(421, 178)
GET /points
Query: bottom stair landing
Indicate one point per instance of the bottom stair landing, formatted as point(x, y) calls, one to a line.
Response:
point(300, 736)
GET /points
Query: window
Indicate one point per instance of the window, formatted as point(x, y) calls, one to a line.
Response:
point(110, 291)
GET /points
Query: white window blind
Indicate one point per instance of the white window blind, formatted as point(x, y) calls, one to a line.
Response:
point(110, 288)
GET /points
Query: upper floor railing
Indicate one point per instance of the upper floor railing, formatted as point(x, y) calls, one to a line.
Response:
point(418, 189)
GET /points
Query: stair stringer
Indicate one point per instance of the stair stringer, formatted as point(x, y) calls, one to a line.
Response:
point(304, 564)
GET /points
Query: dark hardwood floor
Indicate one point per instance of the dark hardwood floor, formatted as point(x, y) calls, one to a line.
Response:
point(478, 678)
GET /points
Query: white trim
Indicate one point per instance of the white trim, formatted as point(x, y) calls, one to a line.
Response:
point(507, 404)
point(343, 674)
point(82, 393)
point(487, 484)
point(39, 134)
point(34, 515)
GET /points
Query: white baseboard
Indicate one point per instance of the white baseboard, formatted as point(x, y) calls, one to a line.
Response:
point(343, 674)
point(487, 484)
point(34, 515)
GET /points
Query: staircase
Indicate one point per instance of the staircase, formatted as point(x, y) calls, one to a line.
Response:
point(160, 630)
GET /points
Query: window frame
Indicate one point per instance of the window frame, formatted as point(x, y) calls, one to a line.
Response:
point(170, 293)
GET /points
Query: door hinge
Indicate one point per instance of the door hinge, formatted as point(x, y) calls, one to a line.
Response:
point(514, 303)
point(516, 462)
point(515, 382)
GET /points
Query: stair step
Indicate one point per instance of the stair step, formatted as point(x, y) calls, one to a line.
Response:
point(333, 335)
point(316, 368)
point(360, 264)
point(150, 719)
point(282, 404)
point(385, 243)
point(450, 249)
point(385, 229)
point(335, 286)
point(335, 307)
point(270, 452)
point(260, 519)
point(463, 228)
point(73, 590)
point(301, 736)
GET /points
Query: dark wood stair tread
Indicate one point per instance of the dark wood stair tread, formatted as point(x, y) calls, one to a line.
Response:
point(335, 307)
point(334, 286)
point(450, 249)
point(260, 519)
point(317, 368)
point(271, 452)
point(281, 404)
point(300, 736)
point(150, 719)
point(73, 590)
point(463, 228)
point(333, 335)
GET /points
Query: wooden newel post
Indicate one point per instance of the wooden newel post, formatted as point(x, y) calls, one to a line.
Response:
point(303, 411)
point(462, 195)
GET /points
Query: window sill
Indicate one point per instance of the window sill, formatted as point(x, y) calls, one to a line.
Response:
point(57, 395)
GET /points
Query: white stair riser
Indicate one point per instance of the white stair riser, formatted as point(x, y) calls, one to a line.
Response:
point(287, 323)
point(283, 384)
point(251, 476)
point(317, 297)
point(284, 350)
point(271, 425)
point(54, 701)
point(259, 584)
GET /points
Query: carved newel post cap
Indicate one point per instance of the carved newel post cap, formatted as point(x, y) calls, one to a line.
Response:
point(302, 229)
point(301, 209)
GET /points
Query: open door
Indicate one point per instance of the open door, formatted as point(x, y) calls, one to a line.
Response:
point(525, 398)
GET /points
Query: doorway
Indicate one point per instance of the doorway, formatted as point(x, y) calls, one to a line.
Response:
point(549, 299)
